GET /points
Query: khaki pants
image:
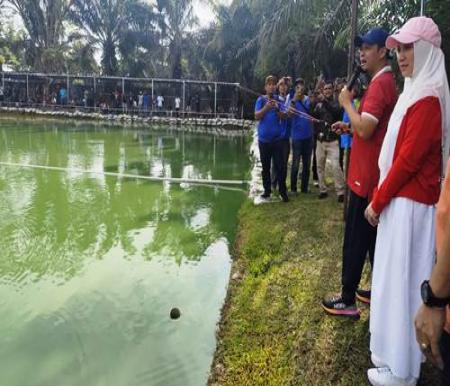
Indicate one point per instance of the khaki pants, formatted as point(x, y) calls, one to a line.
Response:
point(329, 150)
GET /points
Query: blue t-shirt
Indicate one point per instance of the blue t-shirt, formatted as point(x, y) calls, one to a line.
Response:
point(270, 126)
point(302, 126)
point(145, 100)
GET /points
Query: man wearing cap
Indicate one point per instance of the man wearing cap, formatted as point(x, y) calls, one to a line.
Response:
point(369, 126)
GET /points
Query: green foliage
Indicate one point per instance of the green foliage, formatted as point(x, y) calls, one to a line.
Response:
point(44, 22)
point(247, 40)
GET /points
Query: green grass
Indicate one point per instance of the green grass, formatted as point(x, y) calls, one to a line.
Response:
point(273, 330)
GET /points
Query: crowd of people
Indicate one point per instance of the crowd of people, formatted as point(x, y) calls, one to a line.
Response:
point(400, 147)
point(112, 100)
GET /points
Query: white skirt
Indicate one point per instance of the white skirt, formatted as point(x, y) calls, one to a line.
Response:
point(404, 257)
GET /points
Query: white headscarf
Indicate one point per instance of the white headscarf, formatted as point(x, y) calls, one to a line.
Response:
point(429, 79)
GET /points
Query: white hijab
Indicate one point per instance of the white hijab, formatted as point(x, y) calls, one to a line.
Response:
point(429, 79)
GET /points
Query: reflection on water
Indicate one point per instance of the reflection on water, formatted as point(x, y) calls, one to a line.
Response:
point(90, 266)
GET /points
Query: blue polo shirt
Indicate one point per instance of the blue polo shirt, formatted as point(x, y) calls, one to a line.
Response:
point(285, 123)
point(270, 127)
point(302, 127)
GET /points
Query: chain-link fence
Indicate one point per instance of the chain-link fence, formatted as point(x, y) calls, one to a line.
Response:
point(114, 95)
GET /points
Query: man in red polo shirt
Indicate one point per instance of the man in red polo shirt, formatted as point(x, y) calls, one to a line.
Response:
point(369, 126)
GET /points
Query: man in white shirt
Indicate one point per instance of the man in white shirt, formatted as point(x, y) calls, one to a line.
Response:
point(177, 105)
point(160, 102)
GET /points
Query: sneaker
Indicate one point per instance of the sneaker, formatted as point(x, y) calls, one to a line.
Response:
point(316, 183)
point(265, 195)
point(293, 193)
point(323, 195)
point(363, 296)
point(284, 197)
point(377, 362)
point(383, 377)
point(340, 198)
point(336, 306)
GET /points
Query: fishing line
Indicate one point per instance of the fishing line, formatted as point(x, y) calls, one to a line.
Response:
point(296, 112)
point(195, 181)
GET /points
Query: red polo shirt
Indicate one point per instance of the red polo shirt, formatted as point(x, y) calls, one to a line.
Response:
point(379, 101)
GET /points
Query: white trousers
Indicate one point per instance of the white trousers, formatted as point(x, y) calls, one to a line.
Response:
point(404, 257)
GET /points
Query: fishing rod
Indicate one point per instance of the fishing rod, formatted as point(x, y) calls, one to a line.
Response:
point(295, 111)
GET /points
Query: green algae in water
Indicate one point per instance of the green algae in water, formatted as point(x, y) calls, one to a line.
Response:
point(90, 265)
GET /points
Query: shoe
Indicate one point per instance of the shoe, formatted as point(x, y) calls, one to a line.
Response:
point(336, 306)
point(377, 362)
point(293, 193)
point(316, 183)
point(323, 195)
point(363, 296)
point(284, 197)
point(383, 377)
point(341, 198)
point(265, 195)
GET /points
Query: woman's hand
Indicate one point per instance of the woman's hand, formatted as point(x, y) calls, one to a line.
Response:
point(372, 217)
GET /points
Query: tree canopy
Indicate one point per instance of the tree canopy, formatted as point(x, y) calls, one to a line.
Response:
point(161, 38)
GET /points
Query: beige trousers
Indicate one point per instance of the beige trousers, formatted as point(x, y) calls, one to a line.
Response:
point(329, 150)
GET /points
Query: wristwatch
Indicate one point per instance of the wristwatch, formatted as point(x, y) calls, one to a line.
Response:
point(429, 299)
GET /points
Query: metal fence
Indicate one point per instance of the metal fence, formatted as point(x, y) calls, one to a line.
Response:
point(115, 95)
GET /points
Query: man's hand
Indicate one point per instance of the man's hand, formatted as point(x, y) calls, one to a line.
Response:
point(429, 324)
point(271, 104)
point(345, 97)
point(372, 217)
point(340, 127)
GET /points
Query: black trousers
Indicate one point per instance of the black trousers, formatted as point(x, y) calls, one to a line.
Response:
point(273, 171)
point(268, 152)
point(445, 351)
point(301, 149)
point(359, 239)
point(314, 161)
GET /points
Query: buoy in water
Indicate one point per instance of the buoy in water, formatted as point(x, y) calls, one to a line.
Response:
point(175, 313)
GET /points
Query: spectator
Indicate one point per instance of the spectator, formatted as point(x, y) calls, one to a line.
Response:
point(160, 102)
point(369, 126)
point(270, 135)
point(404, 203)
point(145, 101)
point(302, 132)
point(283, 99)
point(177, 105)
point(140, 100)
point(329, 112)
point(430, 318)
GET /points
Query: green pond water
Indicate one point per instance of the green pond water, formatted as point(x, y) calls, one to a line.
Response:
point(91, 265)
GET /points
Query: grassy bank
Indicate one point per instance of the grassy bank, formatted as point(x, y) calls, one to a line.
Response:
point(273, 330)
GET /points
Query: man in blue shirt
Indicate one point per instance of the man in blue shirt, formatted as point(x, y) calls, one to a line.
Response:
point(270, 137)
point(302, 136)
point(283, 98)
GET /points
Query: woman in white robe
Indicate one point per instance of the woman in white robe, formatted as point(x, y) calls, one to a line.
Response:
point(403, 207)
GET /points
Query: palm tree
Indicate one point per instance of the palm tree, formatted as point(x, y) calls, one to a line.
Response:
point(102, 21)
point(44, 22)
point(178, 17)
point(140, 40)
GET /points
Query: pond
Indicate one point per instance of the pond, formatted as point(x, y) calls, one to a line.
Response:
point(91, 264)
